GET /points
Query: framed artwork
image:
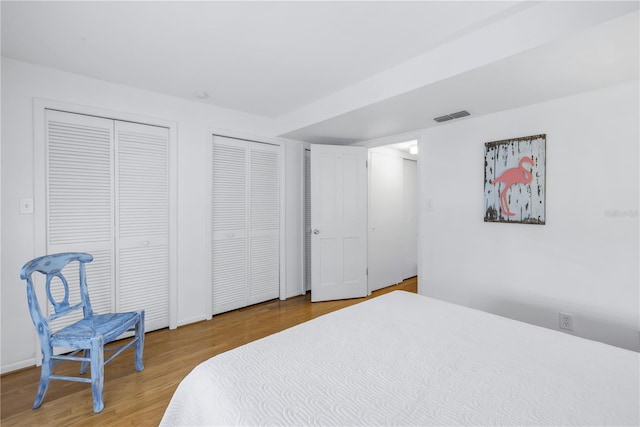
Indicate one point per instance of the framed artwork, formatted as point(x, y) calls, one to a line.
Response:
point(514, 180)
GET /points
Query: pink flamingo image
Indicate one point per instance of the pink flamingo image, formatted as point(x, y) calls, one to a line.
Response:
point(512, 176)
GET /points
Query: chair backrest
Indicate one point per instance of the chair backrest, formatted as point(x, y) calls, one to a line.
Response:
point(51, 267)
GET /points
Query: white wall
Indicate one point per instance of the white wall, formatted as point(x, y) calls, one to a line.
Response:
point(584, 261)
point(21, 83)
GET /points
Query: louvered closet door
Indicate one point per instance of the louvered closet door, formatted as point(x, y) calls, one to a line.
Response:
point(230, 285)
point(79, 199)
point(142, 221)
point(107, 194)
point(264, 220)
point(245, 219)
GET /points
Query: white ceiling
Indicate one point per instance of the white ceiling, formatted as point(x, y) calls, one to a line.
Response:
point(597, 57)
point(300, 62)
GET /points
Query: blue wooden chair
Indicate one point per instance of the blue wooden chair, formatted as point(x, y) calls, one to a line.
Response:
point(87, 335)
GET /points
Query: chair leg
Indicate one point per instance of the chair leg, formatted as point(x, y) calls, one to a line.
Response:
point(140, 341)
point(83, 366)
point(97, 372)
point(45, 373)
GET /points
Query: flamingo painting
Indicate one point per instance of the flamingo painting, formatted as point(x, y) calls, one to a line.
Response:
point(512, 176)
point(515, 194)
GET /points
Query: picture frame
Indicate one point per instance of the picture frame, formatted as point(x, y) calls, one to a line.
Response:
point(515, 180)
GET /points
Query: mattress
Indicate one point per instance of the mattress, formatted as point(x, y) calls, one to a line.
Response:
point(405, 359)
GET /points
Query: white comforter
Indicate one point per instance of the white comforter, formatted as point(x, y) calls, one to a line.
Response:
point(405, 359)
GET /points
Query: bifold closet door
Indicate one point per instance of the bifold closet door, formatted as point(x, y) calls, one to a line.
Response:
point(229, 225)
point(264, 223)
point(107, 194)
point(142, 219)
point(79, 201)
point(245, 219)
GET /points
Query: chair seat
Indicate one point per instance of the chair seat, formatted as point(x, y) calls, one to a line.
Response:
point(110, 326)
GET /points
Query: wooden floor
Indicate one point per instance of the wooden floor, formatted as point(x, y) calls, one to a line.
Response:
point(140, 398)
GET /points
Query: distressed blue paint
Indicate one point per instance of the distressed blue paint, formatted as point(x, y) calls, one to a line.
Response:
point(89, 335)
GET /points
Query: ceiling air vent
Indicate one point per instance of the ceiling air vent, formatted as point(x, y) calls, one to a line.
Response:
point(460, 114)
point(443, 119)
point(452, 116)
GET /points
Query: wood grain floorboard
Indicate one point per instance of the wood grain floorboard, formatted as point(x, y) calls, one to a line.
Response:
point(139, 398)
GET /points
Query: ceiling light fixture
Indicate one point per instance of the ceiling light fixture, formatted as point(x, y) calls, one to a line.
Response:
point(452, 116)
point(201, 94)
point(413, 149)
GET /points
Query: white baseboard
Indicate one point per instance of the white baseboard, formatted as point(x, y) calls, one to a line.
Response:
point(17, 365)
point(191, 320)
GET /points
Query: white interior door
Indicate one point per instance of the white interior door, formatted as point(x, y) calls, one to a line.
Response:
point(339, 222)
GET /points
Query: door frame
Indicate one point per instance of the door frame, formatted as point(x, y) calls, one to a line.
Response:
point(39, 157)
point(418, 136)
point(370, 144)
point(404, 157)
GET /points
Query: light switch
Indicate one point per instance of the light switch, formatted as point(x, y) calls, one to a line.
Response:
point(428, 205)
point(26, 206)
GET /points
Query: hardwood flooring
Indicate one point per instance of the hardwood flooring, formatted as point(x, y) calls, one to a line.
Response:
point(139, 398)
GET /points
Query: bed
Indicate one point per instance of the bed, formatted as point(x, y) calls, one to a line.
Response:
point(406, 359)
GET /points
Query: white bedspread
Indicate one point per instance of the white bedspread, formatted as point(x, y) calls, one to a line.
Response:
point(405, 359)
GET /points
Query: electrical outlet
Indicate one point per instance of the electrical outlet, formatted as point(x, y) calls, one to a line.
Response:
point(566, 321)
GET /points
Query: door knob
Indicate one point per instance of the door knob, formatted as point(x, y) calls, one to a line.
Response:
point(316, 231)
